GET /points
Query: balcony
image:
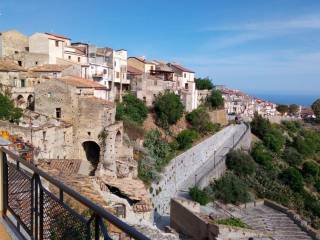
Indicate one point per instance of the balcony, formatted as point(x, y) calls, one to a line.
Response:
point(32, 210)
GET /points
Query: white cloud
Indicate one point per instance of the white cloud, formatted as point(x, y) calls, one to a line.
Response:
point(300, 23)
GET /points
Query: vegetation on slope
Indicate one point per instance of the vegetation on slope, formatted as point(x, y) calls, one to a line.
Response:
point(203, 83)
point(8, 111)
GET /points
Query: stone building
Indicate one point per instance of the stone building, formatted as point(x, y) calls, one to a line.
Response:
point(149, 78)
point(12, 42)
point(97, 137)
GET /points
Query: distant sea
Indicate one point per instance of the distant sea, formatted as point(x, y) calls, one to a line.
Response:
point(303, 100)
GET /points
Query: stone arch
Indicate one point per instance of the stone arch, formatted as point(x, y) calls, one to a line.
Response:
point(92, 152)
point(30, 102)
point(20, 100)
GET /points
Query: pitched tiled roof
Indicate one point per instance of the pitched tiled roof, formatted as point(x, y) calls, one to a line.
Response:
point(10, 66)
point(95, 100)
point(183, 69)
point(141, 59)
point(82, 82)
point(57, 36)
point(49, 68)
point(133, 70)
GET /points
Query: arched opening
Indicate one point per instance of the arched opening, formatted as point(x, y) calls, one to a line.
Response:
point(118, 137)
point(92, 151)
point(30, 103)
point(20, 100)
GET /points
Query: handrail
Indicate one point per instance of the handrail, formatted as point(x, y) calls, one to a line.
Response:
point(96, 208)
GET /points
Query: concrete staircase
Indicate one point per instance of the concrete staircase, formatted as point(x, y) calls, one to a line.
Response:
point(279, 225)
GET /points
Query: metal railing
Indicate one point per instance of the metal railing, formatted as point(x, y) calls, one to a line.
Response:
point(35, 212)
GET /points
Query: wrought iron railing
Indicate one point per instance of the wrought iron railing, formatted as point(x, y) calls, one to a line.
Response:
point(35, 212)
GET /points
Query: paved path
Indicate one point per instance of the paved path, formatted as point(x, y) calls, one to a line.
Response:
point(277, 224)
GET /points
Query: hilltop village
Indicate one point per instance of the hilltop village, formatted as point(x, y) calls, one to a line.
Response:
point(69, 92)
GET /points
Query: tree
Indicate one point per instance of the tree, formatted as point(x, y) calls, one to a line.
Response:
point(240, 162)
point(292, 156)
point(131, 108)
point(293, 178)
point(198, 195)
point(185, 138)
point(199, 120)
point(230, 189)
point(274, 140)
point(261, 155)
point(215, 99)
point(8, 111)
point(293, 109)
point(203, 83)
point(259, 125)
point(282, 109)
point(316, 108)
point(168, 109)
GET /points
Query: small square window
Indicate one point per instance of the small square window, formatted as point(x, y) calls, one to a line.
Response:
point(79, 59)
point(57, 43)
point(58, 113)
point(69, 57)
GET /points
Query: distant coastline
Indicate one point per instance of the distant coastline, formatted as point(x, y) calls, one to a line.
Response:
point(303, 100)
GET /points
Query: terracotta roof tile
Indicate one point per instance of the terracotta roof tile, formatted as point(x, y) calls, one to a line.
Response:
point(183, 69)
point(82, 82)
point(49, 68)
point(133, 70)
point(57, 36)
point(10, 66)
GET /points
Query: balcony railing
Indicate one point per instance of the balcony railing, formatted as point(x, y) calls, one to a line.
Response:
point(34, 212)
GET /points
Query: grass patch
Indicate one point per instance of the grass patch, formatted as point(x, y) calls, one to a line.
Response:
point(234, 222)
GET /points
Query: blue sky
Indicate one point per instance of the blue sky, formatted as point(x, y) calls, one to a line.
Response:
point(257, 46)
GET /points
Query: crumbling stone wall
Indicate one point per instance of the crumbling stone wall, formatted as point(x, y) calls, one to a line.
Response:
point(11, 42)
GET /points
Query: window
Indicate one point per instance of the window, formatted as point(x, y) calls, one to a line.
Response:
point(23, 82)
point(69, 57)
point(58, 112)
point(186, 86)
point(117, 75)
point(57, 43)
point(104, 71)
point(16, 52)
point(44, 133)
point(115, 64)
point(36, 63)
point(54, 75)
point(184, 75)
point(20, 63)
point(79, 59)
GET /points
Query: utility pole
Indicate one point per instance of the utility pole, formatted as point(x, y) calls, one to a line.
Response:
point(195, 180)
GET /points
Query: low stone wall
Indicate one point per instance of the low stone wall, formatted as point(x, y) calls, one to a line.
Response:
point(184, 165)
point(294, 217)
point(185, 218)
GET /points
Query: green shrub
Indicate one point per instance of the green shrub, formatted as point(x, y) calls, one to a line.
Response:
point(292, 126)
point(8, 111)
point(310, 169)
point(230, 189)
point(293, 178)
point(234, 222)
point(158, 148)
point(317, 185)
point(198, 195)
point(260, 126)
point(274, 140)
point(185, 138)
point(200, 121)
point(261, 155)
point(292, 156)
point(147, 170)
point(240, 162)
point(168, 109)
point(215, 99)
point(203, 83)
point(131, 108)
